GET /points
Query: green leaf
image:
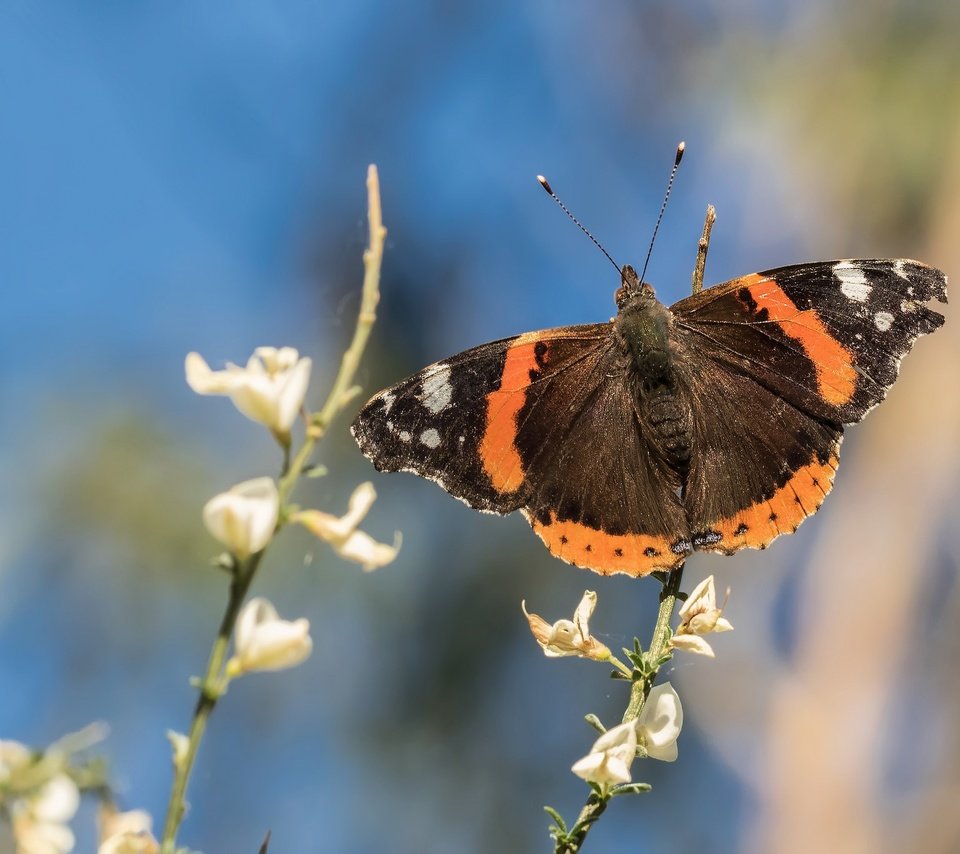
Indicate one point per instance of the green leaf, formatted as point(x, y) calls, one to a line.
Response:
point(561, 825)
point(594, 721)
point(315, 471)
point(630, 789)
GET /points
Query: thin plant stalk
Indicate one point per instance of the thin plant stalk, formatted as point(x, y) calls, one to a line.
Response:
point(639, 691)
point(214, 681)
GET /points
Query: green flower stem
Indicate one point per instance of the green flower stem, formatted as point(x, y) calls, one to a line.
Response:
point(212, 688)
point(592, 810)
point(214, 682)
point(572, 842)
point(658, 644)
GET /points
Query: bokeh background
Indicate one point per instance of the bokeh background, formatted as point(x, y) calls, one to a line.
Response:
point(178, 176)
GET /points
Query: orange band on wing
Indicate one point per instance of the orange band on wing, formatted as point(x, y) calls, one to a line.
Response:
point(836, 378)
point(758, 525)
point(498, 451)
point(591, 548)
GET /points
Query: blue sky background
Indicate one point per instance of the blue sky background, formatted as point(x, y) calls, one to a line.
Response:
point(184, 176)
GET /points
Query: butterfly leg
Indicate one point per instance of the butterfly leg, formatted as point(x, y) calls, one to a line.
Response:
point(708, 222)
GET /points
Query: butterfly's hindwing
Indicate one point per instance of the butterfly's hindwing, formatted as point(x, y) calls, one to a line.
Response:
point(761, 465)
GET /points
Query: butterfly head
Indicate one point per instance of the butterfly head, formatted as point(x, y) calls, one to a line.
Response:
point(631, 289)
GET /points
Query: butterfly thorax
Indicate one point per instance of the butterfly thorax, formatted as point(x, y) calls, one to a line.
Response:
point(643, 327)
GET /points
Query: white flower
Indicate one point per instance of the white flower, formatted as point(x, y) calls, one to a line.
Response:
point(40, 821)
point(569, 637)
point(699, 616)
point(244, 517)
point(610, 757)
point(127, 833)
point(659, 723)
point(270, 389)
point(342, 534)
point(655, 731)
point(266, 642)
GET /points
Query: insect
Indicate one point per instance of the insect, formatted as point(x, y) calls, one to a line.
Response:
point(712, 425)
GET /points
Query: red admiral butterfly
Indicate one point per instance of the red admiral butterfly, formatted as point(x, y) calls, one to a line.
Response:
point(712, 425)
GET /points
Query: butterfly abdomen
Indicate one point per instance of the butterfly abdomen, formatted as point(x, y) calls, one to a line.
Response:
point(643, 326)
point(668, 416)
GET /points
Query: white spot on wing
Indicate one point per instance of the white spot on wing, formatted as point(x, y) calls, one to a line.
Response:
point(900, 269)
point(883, 320)
point(388, 400)
point(404, 436)
point(853, 282)
point(436, 390)
point(430, 437)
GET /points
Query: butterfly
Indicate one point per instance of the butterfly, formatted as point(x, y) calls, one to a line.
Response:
point(712, 425)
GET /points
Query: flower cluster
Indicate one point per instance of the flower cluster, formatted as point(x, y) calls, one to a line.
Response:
point(41, 817)
point(653, 734)
point(654, 731)
point(271, 390)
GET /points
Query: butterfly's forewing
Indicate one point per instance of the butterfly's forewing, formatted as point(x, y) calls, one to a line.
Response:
point(788, 357)
point(544, 423)
point(828, 336)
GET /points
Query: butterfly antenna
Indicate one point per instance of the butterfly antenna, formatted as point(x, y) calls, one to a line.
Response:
point(546, 186)
point(663, 207)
